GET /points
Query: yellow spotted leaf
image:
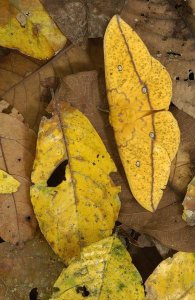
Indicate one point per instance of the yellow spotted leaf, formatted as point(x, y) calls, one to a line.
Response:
point(8, 184)
point(104, 271)
point(25, 25)
point(173, 279)
point(139, 93)
point(83, 206)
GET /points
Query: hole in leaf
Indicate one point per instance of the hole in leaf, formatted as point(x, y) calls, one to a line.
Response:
point(178, 6)
point(173, 53)
point(28, 218)
point(117, 223)
point(58, 174)
point(82, 290)
point(56, 289)
point(191, 75)
point(1, 240)
point(33, 295)
point(177, 78)
point(7, 110)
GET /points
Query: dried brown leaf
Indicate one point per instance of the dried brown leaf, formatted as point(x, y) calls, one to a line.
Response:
point(17, 148)
point(79, 20)
point(166, 224)
point(14, 67)
point(33, 268)
point(169, 39)
point(31, 95)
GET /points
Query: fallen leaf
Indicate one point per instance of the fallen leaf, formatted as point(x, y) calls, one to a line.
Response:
point(79, 20)
point(104, 271)
point(14, 67)
point(17, 147)
point(81, 206)
point(139, 94)
point(174, 278)
point(166, 224)
point(24, 25)
point(28, 271)
point(31, 95)
point(8, 184)
point(165, 32)
point(189, 204)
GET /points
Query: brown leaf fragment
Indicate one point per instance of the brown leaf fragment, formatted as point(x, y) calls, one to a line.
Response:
point(79, 20)
point(14, 67)
point(29, 270)
point(31, 95)
point(17, 148)
point(189, 204)
point(169, 39)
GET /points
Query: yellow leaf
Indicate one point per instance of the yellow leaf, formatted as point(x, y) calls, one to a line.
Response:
point(139, 92)
point(26, 26)
point(8, 184)
point(83, 208)
point(105, 271)
point(173, 279)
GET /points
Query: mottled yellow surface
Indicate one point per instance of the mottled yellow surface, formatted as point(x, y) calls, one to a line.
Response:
point(83, 208)
point(8, 184)
point(173, 279)
point(105, 271)
point(26, 26)
point(139, 93)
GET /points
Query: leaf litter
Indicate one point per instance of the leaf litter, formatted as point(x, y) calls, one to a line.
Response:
point(165, 225)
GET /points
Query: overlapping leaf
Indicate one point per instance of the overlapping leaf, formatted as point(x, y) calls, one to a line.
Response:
point(30, 95)
point(80, 20)
point(29, 271)
point(139, 93)
point(26, 26)
point(174, 278)
point(105, 271)
point(17, 148)
point(83, 206)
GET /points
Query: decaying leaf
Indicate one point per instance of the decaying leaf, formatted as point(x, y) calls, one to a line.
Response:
point(26, 26)
point(104, 271)
point(79, 20)
point(8, 184)
point(139, 93)
point(17, 147)
point(27, 271)
point(189, 204)
point(174, 278)
point(81, 207)
point(163, 26)
point(31, 94)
